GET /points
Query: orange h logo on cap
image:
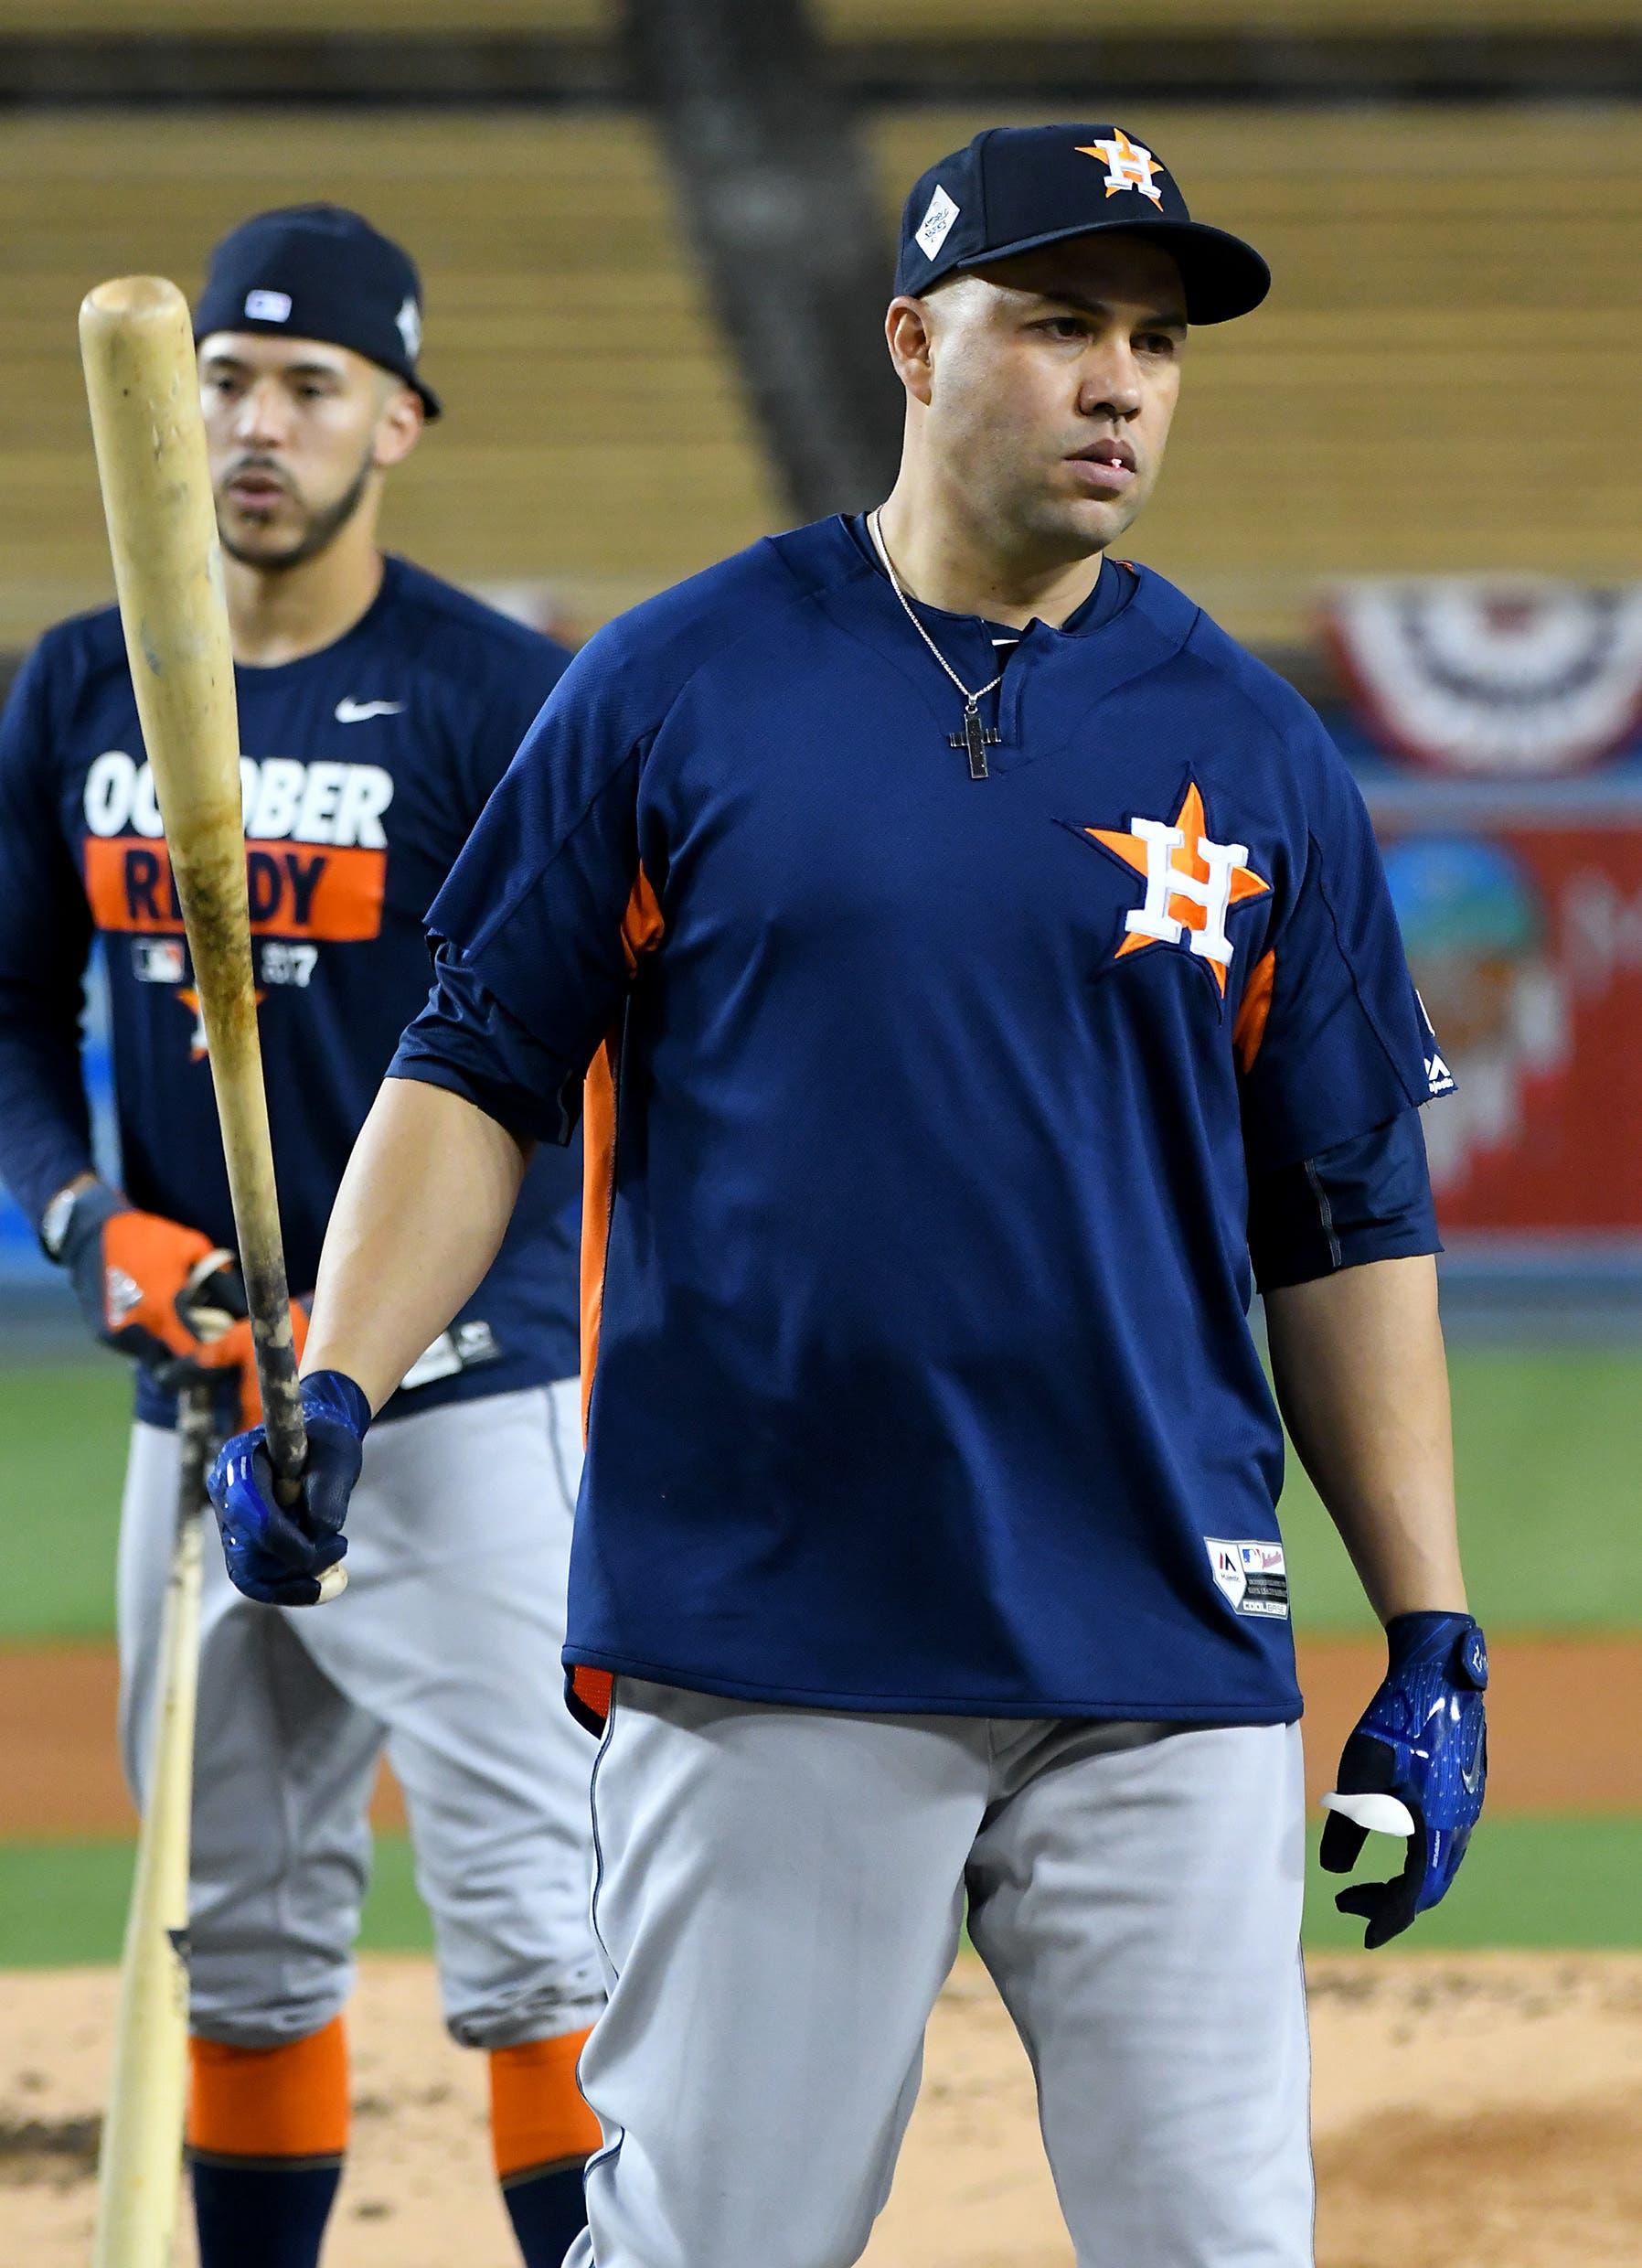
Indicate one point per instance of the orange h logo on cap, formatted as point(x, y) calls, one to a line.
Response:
point(1128, 166)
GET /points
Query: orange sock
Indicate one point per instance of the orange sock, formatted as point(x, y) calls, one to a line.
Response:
point(271, 2103)
point(537, 2118)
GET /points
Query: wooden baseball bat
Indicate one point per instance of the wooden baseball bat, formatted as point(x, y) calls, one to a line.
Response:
point(142, 2129)
point(142, 379)
point(138, 347)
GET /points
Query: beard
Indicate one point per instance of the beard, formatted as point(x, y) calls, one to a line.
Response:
point(319, 530)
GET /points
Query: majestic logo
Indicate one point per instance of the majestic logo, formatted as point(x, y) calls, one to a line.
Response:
point(1191, 883)
point(1439, 1078)
point(1128, 166)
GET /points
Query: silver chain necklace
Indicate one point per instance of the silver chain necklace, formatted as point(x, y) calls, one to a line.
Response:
point(975, 738)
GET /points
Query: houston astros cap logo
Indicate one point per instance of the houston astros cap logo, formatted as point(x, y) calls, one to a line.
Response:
point(1191, 883)
point(1128, 166)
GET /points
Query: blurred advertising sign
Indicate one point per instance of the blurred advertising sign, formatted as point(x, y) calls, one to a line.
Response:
point(1486, 679)
point(1496, 728)
point(1525, 936)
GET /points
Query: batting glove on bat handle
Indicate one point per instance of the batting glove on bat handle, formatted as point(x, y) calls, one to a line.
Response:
point(291, 1555)
point(1415, 1766)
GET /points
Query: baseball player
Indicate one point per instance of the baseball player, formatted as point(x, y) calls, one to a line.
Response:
point(378, 707)
point(983, 969)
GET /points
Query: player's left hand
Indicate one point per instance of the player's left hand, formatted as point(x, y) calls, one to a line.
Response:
point(231, 1349)
point(278, 1553)
point(1416, 1765)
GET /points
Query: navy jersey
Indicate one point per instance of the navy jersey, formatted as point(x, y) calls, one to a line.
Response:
point(365, 767)
point(921, 1122)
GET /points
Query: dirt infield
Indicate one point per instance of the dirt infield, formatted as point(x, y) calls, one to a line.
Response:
point(1481, 2112)
point(59, 1774)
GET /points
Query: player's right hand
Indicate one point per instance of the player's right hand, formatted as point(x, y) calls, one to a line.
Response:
point(1416, 1765)
point(278, 1553)
point(148, 1287)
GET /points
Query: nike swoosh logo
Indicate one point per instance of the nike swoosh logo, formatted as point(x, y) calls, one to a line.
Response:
point(352, 711)
point(1471, 1775)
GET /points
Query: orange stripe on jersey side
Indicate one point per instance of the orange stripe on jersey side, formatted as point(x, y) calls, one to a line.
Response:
point(598, 1196)
point(1249, 1030)
point(297, 888)
point(263, 2103)
point(593, 1689)
point(641, 928)
point(642, 925)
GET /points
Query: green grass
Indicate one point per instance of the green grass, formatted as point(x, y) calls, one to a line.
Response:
point(1555, 1884)
point(63, 1431)
point(1549, 1443)
point(1563, 1884)
point(64, 1902)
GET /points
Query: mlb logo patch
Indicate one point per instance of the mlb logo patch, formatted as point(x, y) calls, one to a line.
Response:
point(267, 306)
point(158, 960)
point(1252, 1575)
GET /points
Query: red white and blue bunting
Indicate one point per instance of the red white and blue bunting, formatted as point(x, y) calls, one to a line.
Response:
point(1490, 678)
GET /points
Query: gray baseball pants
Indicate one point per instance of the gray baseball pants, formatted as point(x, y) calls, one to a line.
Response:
point(444, 1652)
point(779, 1897)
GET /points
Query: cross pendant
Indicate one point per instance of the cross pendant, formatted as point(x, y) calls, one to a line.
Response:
point(976, 738)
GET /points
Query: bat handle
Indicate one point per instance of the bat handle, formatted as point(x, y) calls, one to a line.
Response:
point(197, 1436)
point(283, 1415)
point(268, 1298)
point(287, 1435)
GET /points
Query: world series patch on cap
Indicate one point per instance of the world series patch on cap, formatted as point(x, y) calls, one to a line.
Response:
point(1016, 187)
point(319, 272)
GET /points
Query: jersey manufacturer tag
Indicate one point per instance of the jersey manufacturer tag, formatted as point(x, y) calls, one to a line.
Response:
point(462, 1347)
point(1252, 1575)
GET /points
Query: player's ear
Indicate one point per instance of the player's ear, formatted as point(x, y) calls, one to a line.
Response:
point(398, 426)
point(910, 336)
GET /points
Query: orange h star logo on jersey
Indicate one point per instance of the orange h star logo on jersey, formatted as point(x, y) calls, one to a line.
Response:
point(1128, 166)
point(197, 1051)
point(1191, 884)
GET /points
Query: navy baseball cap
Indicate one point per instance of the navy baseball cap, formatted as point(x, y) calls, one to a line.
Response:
point(319, 272)
point(1016, 187)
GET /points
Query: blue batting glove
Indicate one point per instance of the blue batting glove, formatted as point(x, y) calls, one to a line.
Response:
point(275, 1552)
point(1416, 1765)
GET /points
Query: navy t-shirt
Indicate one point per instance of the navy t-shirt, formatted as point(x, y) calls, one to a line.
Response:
point(921, 1116)
point(365, 767)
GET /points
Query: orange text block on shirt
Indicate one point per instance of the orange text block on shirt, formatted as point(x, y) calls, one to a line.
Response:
point(297, 888)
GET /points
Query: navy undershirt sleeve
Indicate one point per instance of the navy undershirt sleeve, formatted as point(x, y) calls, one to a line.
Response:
point(1366, 1199)
point(466, 1042)
point(45, 940)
